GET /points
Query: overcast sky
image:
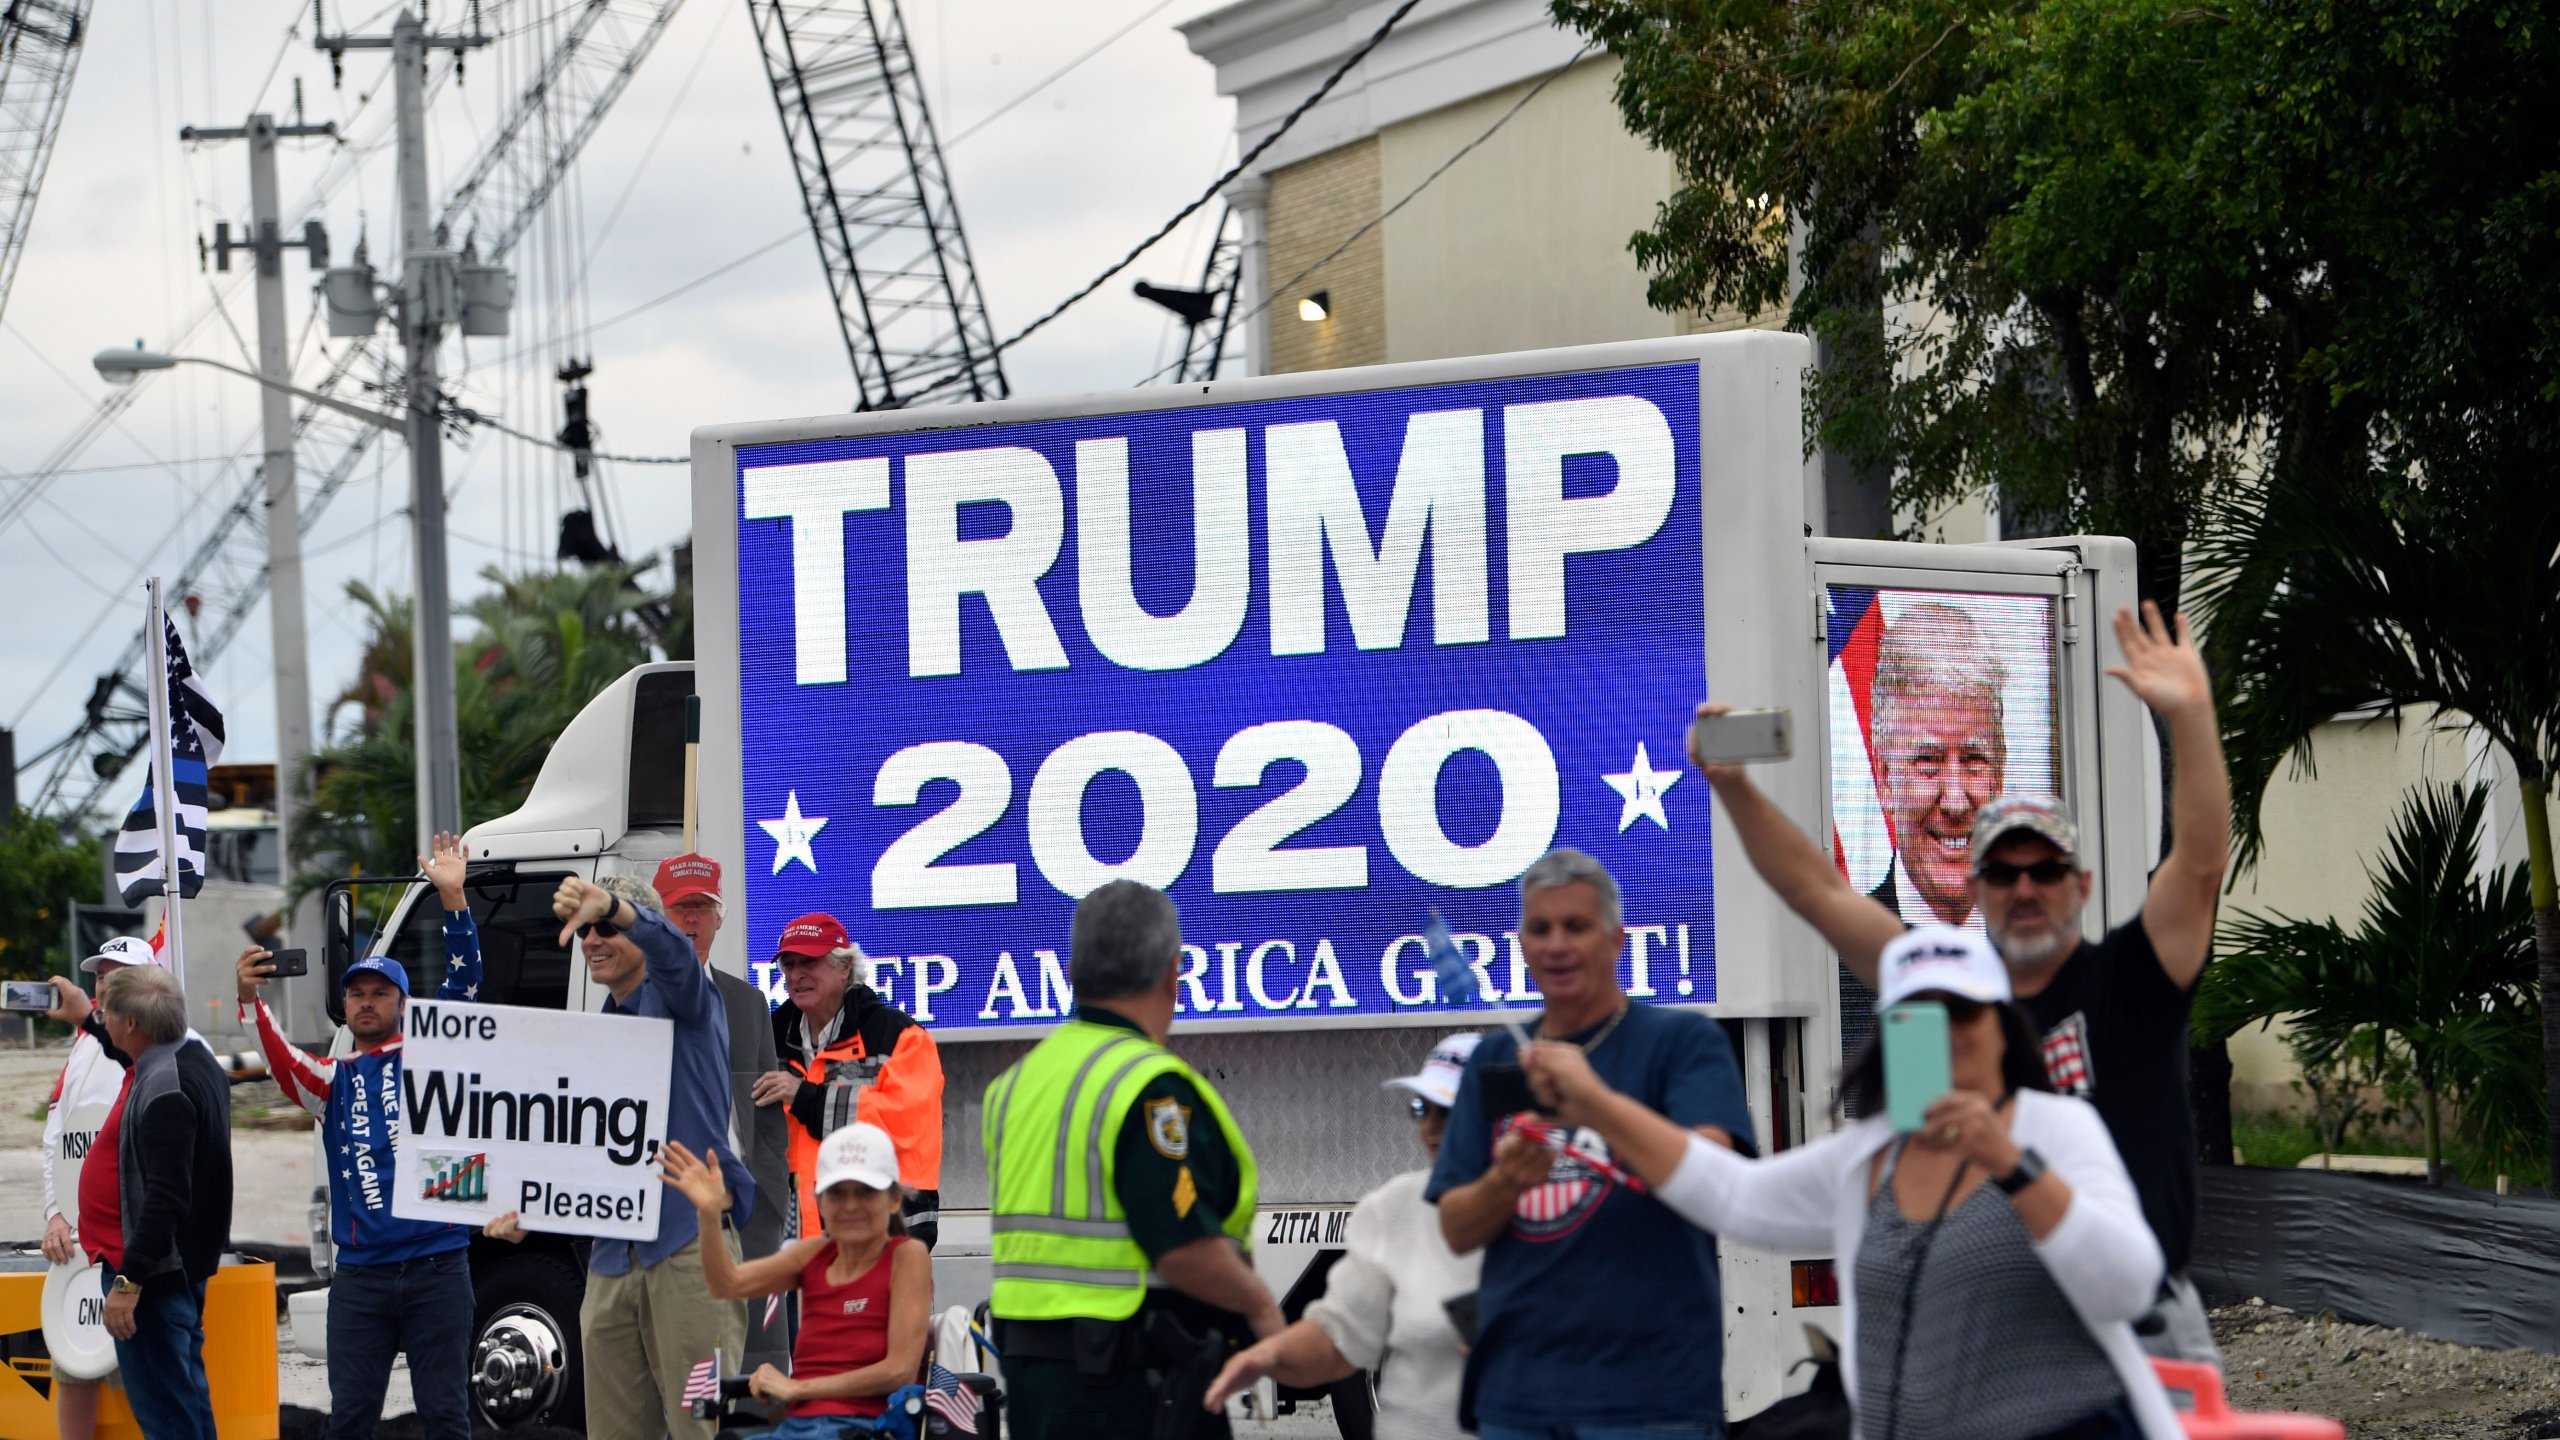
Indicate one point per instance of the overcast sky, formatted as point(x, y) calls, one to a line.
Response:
point(666, 193)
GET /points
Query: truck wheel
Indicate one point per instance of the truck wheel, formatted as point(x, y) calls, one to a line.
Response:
point(524, 1348)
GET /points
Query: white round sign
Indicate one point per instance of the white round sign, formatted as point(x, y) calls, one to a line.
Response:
point(75, 1322)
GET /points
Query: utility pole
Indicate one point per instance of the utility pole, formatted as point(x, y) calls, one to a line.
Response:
point(430, 295)
point(277, 469)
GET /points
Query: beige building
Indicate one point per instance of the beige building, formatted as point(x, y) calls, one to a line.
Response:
point(1365, 258)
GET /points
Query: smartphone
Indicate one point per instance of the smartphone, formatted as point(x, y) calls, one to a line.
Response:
point(1461, 1310)
point(1740, 736)
point(290, 962)
point(34, 995)
point(1916, 1067)
point(1504, 1092)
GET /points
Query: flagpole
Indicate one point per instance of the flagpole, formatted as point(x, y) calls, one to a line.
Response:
point(164, 786)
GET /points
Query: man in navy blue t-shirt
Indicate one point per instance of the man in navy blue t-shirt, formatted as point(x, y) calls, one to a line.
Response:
point(1599, 1314)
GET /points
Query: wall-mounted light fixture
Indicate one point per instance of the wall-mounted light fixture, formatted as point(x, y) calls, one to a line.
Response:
point(1315, 307)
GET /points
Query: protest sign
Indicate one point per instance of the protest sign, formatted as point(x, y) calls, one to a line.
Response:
point(557, 1116)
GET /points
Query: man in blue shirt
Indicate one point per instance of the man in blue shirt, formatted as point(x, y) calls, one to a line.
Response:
point(1600, 1317)
point(648, 1317)
point(402, 1286)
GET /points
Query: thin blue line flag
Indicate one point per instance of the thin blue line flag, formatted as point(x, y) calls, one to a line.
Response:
point(1455, 977)
point(195, 743)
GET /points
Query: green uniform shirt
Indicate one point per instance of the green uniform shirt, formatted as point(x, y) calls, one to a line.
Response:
point(1175, 1178)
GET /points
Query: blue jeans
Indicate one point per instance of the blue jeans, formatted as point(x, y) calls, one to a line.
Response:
point(163, 1364)
point(1672, 1431)
point(419, 1307)
point(1675, 1431)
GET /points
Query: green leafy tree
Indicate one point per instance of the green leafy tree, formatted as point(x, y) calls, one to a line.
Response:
point(2439, 969)
point(41, 874)
point(544, 645)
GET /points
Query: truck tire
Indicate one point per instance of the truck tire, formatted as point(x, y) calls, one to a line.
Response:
point(524, 1342)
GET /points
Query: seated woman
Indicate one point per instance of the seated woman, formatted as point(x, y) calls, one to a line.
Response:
point(1996, 1259)
point(866, 1287)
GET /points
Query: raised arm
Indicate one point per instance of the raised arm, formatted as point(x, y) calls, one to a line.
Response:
point(446, 869)
point(1795, 867)
point(2163, 667)
point(304, 1079)
point(700, 1183)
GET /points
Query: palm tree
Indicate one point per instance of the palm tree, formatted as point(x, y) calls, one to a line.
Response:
point(2385, 593)
point(2440, 970)
point(546, 643)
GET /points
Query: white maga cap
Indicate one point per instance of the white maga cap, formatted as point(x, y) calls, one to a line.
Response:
point(1941, 959)
point(122, 950)
point(860, 1151)
point(1437, 1080)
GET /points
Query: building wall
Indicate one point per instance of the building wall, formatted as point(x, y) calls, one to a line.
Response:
point(1315, 204)
point(1523, 243)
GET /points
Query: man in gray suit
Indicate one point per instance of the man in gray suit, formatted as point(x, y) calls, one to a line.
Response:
point(689, 886)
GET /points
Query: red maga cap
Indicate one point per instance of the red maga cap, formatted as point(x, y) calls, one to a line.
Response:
point(816, 934)
point(680, 876)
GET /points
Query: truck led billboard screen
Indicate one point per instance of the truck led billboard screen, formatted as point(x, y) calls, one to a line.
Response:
point(1316, 666)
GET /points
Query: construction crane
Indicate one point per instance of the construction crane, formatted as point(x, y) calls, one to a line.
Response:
point(590, 65)
point(879, 201)
point(40, 42)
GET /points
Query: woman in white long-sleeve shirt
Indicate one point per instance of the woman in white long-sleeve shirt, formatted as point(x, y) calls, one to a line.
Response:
point(1382, 1306)
point(1997, 1257)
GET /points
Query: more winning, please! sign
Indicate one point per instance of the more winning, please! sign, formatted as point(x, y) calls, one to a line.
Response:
point(555, 1115)
point(1315, 666)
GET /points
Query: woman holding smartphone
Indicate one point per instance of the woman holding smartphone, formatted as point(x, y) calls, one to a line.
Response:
point(1996, 1255)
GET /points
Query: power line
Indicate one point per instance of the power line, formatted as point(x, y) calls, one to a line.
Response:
point(474, 417)
point(1273, 292)
point(1287, 122)
point(1054, 76)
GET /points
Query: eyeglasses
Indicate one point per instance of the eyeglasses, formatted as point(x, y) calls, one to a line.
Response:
point(1424, 1109)
point(2000, 875)
point(604, 929)
point(1961, 1011)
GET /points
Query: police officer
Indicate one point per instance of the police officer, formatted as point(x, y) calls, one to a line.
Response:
point(1123, 1201)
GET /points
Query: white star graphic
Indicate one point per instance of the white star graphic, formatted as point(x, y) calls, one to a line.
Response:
point(1642, 787)
point(792, 834)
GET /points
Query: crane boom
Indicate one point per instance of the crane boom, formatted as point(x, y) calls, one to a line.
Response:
point(879, 201)
point(40, 43)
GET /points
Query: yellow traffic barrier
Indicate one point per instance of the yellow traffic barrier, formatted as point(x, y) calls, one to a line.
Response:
point(239, 1359)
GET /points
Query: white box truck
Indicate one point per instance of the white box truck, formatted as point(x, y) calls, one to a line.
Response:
point(1319, 654)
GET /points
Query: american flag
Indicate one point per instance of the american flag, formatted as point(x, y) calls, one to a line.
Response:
point(703, 1382)
point(195, 741)
point(945, 1396)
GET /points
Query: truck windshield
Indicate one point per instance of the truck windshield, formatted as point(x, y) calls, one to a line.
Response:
point(521, 959)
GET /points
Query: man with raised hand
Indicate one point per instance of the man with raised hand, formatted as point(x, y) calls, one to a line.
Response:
point(402, 1287)
point(2113, 1012)
point(649, 1316)
point(689, 886)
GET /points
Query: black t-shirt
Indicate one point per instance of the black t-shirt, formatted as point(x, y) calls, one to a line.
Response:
point(2115, 1034)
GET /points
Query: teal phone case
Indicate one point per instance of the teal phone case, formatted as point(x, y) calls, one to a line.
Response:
point(1916, 1067)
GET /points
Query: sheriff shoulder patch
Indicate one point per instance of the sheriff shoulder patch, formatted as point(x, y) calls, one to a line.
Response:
point(1169, 1128)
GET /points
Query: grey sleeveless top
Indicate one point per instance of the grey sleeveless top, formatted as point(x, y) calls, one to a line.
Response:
point(1995, 1350)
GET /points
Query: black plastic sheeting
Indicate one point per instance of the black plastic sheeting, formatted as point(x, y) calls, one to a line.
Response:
point(2454, 1264)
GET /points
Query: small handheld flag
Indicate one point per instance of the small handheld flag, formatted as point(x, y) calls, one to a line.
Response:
point(1456, 978)
point(703, 1381)
point(953, 1401)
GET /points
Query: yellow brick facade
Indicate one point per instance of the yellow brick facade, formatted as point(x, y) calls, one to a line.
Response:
point(1315, 204)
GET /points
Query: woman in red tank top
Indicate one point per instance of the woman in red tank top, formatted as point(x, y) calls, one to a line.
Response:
point(866, 1289)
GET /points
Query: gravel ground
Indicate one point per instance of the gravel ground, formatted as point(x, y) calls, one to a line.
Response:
point(2385, 1384)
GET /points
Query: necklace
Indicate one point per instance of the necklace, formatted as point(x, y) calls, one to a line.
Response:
point(1607, 1028)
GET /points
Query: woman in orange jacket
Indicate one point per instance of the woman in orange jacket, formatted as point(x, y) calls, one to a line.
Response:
point(848, 1055)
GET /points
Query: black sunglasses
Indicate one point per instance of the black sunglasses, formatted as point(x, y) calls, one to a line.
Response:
point(2000, 875)
point(1424, 1109)
point(604, 929)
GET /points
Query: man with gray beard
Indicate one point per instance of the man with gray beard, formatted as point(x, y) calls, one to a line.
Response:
point(2113, 1012)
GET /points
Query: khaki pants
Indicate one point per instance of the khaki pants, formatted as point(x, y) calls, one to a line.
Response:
point(643, 1333)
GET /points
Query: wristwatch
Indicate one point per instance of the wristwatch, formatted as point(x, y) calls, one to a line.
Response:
point(124, 1286)
point(2029, 1170)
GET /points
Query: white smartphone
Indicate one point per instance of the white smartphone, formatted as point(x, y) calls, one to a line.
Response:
point(1741, 736)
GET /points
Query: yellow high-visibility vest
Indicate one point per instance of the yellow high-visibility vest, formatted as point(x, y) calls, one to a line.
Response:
point(1061, 1241)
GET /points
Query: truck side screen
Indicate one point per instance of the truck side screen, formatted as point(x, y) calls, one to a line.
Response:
point(1316, 666)
point(1939, 701)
